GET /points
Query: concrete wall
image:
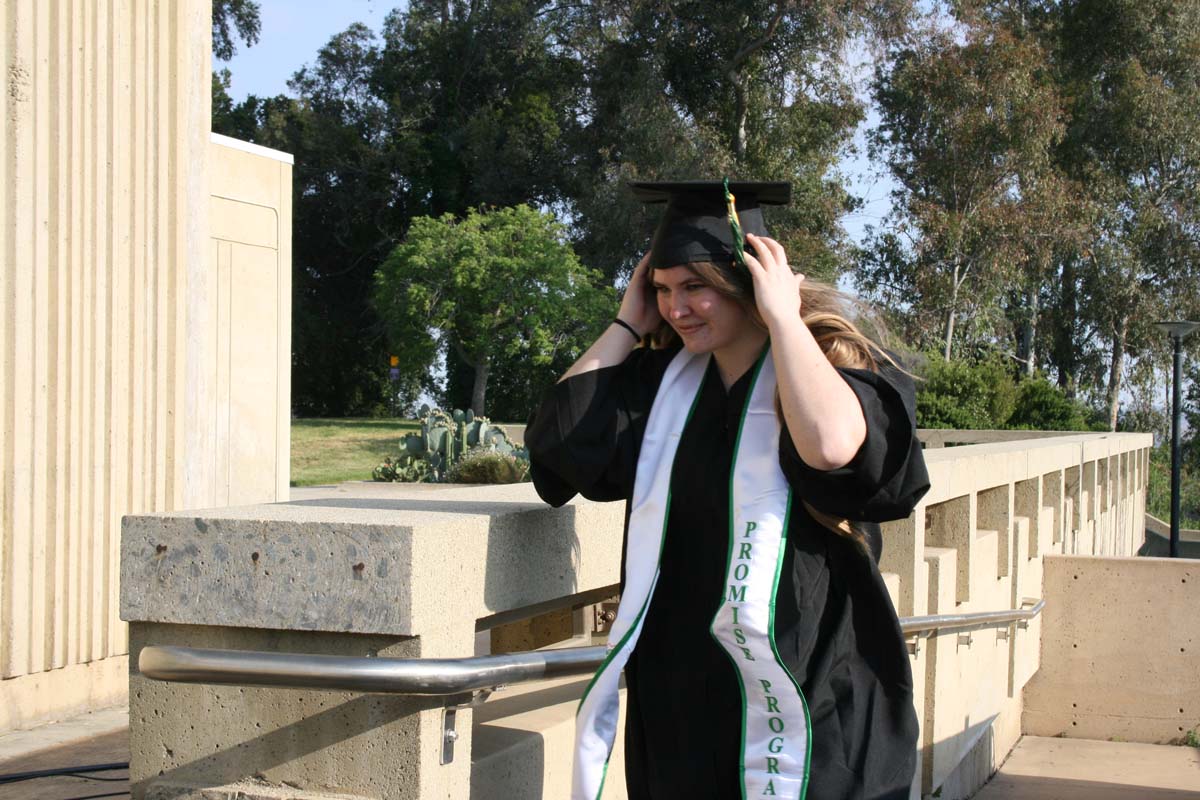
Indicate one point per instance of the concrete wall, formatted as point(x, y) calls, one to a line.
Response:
point(976, 543)
point(106, 116)
point(1158, 540)
point(379, 569)
point(947, 437)
point(440, 565)
point(1119, 645)
point(251, 219)
point(119, 376)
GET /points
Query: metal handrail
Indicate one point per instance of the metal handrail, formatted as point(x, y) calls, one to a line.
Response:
point(418, 676)
point(919, 625)
point(437, 676)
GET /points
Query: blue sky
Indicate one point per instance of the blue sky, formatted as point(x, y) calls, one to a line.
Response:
point(293, 31)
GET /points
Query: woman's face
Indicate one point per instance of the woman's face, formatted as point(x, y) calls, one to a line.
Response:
point(706, 320)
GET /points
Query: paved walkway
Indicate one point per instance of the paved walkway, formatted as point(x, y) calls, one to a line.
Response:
point(1037, 769)
point(1082, 769)
point(99, 738)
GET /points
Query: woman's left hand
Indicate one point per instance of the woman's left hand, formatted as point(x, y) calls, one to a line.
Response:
point(776, 287)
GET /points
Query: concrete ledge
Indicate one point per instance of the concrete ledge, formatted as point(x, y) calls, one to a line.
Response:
point(1158, 540)
point(376, 562)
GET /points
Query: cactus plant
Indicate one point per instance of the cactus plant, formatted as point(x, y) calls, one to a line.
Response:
point(442, 442)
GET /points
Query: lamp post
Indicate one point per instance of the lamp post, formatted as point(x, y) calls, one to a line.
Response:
point(1177, 331)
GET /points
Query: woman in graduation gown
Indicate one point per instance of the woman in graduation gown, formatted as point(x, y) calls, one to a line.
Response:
point(756, 447)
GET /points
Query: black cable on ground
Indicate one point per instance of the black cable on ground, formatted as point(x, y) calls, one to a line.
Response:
point(16, 777)
point(96, 796)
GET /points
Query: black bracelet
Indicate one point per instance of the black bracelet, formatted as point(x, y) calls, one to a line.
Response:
point(629, 328)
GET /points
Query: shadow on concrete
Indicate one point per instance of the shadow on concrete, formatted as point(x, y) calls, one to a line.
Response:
point(442, 505)
point(521, 543)
point(104, 749)
point(524, 769)
point(1158, 541)
point(499, 706)
point(1024, 787)
point(291, 742)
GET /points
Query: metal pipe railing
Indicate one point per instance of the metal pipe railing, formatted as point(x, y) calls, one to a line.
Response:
point(419, 676)
point(918, 625)
point(437, 676)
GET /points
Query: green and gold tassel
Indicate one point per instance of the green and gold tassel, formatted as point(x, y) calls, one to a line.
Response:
point(735, 226)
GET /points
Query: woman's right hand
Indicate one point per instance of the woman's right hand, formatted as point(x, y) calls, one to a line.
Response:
point(639, 306)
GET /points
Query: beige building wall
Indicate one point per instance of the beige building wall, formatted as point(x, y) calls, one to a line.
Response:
point(119, 387)
point(251, 254)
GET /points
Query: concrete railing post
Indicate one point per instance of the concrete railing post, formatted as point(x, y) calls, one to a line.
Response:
point(386, 573)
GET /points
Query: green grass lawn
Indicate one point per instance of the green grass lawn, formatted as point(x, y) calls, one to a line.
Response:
point(336, 450)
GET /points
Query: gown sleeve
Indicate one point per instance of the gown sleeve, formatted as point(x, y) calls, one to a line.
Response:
point(887, 476)
point(585, 435)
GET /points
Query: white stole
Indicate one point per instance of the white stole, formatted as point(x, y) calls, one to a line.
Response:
point(776, 731)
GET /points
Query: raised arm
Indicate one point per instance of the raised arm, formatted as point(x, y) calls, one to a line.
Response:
point(639, 310)
point(822, 412)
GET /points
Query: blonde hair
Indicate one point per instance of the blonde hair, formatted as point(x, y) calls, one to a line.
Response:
point(829, 314)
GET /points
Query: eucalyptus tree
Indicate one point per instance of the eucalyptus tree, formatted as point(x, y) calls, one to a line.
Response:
point(232, 20)
point(753, 89)
point(1131, 71)
point(969, 119)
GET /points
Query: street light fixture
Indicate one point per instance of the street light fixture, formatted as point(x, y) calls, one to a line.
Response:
point(1177, 331)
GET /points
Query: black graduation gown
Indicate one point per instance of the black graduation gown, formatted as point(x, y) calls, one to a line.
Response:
point(835, 626)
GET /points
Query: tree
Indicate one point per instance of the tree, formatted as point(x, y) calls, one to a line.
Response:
point(1190, 439)
point(1040, 406)
point(1131, 71)
point(752, 89)
point(968, 122)
point(495, 283)
point(234, 17)
point(964, 395)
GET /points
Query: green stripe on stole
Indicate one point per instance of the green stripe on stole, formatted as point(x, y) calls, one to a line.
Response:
point(776, 729)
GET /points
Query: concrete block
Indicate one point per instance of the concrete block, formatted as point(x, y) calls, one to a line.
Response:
point(375, 562)
point(903, 555)
point(247, 790)
point(533, 633)
point(952, 524)
point(1024, 640)
point(994, 511)
point(381, 570)
point(1118, 656)
point(210, 736)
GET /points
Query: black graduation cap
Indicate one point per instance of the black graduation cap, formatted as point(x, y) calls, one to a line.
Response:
point(695, 226)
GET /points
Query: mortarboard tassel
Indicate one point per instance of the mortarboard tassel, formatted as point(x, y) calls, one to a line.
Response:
point(735, 225)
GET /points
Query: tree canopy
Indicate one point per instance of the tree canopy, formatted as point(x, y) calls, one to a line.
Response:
point(1044, 154)
point(459, 105)
point(1046, 158)
point(497, 286)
